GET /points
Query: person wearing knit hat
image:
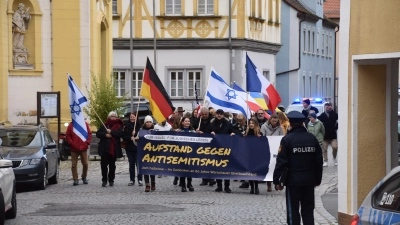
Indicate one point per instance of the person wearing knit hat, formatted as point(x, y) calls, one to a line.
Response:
point(148, 119)
point(307, 108)
point(315, 127)
point(148, 125)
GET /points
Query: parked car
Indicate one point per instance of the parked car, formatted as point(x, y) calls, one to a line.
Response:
point(8, 196)
point(382, 204)
point(33, 153)
point(142, 109)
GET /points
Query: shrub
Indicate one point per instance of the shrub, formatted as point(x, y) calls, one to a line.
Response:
point(102, 99)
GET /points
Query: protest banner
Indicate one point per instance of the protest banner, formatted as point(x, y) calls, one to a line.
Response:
point(220, 156)
point(274, 143)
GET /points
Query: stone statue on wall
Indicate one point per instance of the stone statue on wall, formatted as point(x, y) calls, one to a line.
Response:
point(20, 21)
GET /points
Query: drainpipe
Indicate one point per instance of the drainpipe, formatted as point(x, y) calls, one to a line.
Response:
point(230, 41)
point(301, 21)
point(334, 72)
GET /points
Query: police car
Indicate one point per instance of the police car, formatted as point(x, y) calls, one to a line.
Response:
point(382, 204)
point(297, 105)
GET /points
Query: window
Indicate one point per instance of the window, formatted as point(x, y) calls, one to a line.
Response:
point(115, 7)
point(266, 74)
point(119, 83)
point(176, 78)
point(326, 86)
point(317, 41)
point(206, 7)
point(182, 82)
point(327, 45)
point(304, 84)
point(304, 40)
point(137, 78)
point(277, 10)
point(253, 8)
point(387, 195)
point(193, 78)
point(260, 8)
point(317, 84)
point(173, 7)
point(323, 43)
point(322, 85)
point(313, 42)
point(309, 87)
point(309, 40)
point(331, 45)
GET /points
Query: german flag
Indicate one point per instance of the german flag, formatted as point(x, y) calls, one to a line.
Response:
point(154, 91)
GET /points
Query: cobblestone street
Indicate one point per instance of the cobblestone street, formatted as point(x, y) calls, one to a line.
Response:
point(122, 204)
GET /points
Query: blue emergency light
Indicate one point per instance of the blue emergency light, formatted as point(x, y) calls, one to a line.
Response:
point(318, 100)
point(296, 100)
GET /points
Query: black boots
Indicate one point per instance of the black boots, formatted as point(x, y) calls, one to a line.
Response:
point(244, 184)
point(218, 189)
point(175, 181)
point(254, 187)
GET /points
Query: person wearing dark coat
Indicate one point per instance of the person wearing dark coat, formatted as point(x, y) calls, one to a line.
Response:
point(131, 130)
point(299, 168)
point(329, 118)
point(110, 146)
point(204, 120)
point(220, 125)
point(253, 130)
point(307, 108)
point(148, 125)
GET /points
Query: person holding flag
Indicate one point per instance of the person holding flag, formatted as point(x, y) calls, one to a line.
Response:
point(78, 133)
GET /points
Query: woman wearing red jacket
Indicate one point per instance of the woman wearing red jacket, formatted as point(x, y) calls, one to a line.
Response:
point(78, 148)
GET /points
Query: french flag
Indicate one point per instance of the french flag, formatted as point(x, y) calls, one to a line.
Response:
point(256, 82)
point(251, 102)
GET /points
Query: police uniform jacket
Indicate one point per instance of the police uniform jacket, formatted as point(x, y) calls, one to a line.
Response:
point(301, 153)
point(222, 126)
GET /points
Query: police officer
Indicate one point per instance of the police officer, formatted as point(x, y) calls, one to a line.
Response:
point(301, 154)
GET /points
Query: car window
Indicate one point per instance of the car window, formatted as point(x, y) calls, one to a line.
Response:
point(20, 138)
point(47, 134)
point(387, 197)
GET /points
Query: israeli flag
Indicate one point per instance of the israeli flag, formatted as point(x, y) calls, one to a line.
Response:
point(76, 101)
point(220, 96)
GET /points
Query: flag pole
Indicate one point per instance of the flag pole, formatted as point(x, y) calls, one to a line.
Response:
point(137, 109)
point(89, 103)
point(247, 111)
point(204, 99)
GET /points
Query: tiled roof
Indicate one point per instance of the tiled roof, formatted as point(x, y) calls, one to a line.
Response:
point(332, 9)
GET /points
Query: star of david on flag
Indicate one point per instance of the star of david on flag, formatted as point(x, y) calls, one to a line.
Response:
point(76, 101)
point(220, 96)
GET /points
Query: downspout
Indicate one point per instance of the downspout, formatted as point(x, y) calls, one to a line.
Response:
point(230, 42)
point(301, 21)
point(334, 71)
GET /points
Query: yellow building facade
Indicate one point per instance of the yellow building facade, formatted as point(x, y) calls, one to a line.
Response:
point(368, 99)
point(68, 36)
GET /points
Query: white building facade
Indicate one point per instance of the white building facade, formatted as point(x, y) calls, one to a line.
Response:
point(194, 36)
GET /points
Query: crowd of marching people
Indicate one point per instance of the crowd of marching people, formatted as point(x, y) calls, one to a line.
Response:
point(210, 121)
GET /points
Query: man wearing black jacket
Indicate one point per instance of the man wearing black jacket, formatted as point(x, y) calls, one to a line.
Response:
point(220, 125)
point(204, 120)
point(329, 118)
point(301, 154)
